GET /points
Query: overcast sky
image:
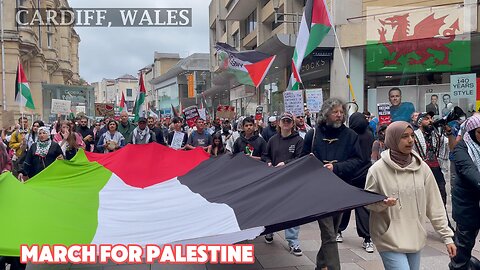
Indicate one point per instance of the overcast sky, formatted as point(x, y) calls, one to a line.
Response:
point(112, 52)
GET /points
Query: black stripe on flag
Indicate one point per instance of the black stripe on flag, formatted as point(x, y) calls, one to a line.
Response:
point(246, 56)
point(278, 198)
point(308, 13)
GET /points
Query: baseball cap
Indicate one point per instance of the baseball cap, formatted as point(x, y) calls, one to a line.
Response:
point(287, 115)
point(422, 115)
point(272, 119)
point(142, 119)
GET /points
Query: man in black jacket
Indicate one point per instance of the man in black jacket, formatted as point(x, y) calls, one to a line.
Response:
point(271, 129)
point(87, 134)
point(159, 138)
point(338, 148)
point(249, 142)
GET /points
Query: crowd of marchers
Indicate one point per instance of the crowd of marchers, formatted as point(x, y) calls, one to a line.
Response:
point(409, 160)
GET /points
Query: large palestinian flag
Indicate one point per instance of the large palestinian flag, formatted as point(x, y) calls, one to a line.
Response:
point(151, 194)
point(314, 27)
point(248, 67)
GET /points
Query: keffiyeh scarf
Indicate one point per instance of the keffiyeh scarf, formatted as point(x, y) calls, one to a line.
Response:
point(42, 148)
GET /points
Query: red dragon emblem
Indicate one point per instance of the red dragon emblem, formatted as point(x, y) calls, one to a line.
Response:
point(423, 39)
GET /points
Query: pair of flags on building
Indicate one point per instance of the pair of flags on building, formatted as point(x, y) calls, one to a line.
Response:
point(251, 67)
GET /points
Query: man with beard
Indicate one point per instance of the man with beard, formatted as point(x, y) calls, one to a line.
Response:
point(159, 138)
point(271, 129)
point(301, 127)
point(250, 142)
point(142, 134)
point(125, 127)
point(338, 148)
point(399, 111)
point(226, 131)
point(87, 134)
point(432, 147)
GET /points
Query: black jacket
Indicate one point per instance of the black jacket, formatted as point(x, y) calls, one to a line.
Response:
point(268, 132)
point(85, 132)
point(359, 124)
point(284, 149)
point(34, 164)
point(466, 189)
point(339, 146)
point(256, 142)
point(159, 137)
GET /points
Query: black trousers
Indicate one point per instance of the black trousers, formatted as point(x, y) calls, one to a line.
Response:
point(440, 179)
point(465, 241)
point(14, 263)
point(362, 217)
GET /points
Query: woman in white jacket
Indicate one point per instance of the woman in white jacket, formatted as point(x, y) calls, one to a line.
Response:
point(397, 223)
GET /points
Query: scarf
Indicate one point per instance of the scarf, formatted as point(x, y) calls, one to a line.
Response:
point(439, 142)
point(42, 148)
point(393, 135)
point(141, 136)
point(472, 144)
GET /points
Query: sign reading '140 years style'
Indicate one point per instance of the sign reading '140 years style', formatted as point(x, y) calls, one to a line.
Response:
point(463, 85)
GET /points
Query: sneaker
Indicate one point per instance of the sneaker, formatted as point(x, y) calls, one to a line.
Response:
point(268, 239)
point(368, 246)
point(339, 238)
point(295, 250)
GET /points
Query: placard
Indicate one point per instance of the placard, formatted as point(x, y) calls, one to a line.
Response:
point(293, 102)
point(177, 140)
point(202, 113)
point(61, 106)
point(191, 115)
point(226, 112)
point(314, 100)
point(259, 113)
point(104, 110)
point(8, 119)
point(384, 113)
point(463, 86)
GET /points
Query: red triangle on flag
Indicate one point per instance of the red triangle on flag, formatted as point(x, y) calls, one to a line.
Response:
point(142, 84)
point(258, 70)
point(295, 73)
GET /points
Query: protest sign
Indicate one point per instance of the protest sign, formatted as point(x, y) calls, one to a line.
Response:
point(225, 112)
point(314, 100)
point(259, 113)
point(177, 140)
point(104, 110)
point(293, 102)
point(62, 107)
point(191, 115)
point(384, 113)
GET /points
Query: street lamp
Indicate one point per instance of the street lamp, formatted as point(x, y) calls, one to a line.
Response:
point(297, 17)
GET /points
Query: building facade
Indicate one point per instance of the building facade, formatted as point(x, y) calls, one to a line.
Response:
point(49, 55)
point(363, 28)
point(110, 90)
point(172, 87)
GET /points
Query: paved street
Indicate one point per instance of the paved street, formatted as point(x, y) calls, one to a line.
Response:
point(276, 256)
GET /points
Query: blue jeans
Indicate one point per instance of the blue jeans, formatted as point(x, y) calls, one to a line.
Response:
point(400, 261)
point(291, 235)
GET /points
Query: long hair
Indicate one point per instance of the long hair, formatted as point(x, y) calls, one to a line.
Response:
point(327, 108)
point(33, 133)
point(220, 147)
point(72, 137)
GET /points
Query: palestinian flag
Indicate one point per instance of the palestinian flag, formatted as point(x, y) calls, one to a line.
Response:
point(248, 67)
point(23, 96)
point(151, 194)
point(123, 104)
point(139, 109)
point(314, 27)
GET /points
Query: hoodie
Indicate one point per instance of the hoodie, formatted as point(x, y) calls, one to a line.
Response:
point(359, 124)
point(400, 228)
point(284, 149)
point(254, 146)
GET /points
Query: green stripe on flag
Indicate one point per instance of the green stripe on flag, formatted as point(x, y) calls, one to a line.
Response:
point(75, 183)
point(317, 34)
point(25, 92)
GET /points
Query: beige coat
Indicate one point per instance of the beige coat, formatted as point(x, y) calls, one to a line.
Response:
point(401, 228)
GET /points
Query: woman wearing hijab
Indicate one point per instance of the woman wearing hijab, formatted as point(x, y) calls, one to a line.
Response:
point(111, 140)
point(397, 223)
point(466, 193)
point(42, 153)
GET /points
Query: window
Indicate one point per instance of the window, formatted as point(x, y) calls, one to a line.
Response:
point(236, 39)
point(129, 92)
point(251, 22)
point(130, 105)
point(49, 37)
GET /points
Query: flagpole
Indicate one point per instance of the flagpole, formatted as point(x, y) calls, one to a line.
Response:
point(350, 86)
point(2, 33)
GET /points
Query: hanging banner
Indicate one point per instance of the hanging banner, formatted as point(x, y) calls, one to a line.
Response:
point(104, 110)
point(384, 117)
point(259, 113)
point(293, 101)
point(463, 86)
point(191, 115)
point(314, 100)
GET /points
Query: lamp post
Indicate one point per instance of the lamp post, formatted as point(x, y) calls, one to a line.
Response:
point(297, 17)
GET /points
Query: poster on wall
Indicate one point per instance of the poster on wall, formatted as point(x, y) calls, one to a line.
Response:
point(191, 115)
point(314, 100)
point(463, 86)
point(384, 113)
point(293, 102)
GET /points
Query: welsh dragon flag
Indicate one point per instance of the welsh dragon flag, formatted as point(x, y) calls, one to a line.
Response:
point(314, 27)
point(23, 96)
point(123, 104)
point(188, 198)
point(248, 67)
point(139, 108)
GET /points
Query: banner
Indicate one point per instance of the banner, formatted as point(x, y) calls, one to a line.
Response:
point(314, 100)
point(104, 110)
point(384, 113)
point(226, 112)
point(61, 106)
point(293, 101)
point(463, 86)
point(191, 115)
point(259, 113)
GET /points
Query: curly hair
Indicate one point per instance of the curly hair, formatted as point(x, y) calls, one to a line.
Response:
point(327, 108)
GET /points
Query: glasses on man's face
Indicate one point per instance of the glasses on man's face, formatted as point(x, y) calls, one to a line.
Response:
point(83, 122)
point(299, 117)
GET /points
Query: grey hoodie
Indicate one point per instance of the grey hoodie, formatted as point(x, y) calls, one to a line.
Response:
point(400, 228)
